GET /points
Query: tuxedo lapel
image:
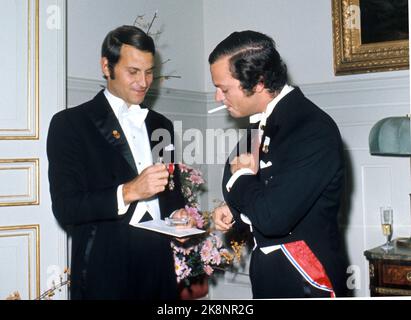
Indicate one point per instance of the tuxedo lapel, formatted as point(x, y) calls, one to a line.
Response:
point(154, 122)
point(107, 123)
point(151, 125)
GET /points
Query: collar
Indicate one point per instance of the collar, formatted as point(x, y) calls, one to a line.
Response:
point(117, 104)
point(262, 117)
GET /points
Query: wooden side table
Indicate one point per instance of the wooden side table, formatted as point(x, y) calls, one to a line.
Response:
point(390, 272)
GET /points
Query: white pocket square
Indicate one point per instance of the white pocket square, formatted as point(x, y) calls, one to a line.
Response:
point(170, 147)
point(264, 165)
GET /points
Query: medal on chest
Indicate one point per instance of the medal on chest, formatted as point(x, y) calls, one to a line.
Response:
point(170, 168)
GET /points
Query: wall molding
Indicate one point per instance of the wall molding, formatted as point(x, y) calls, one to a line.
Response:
point(24, 123)
point(167, 100)
point(32, 247)
point(83, 84)
point(346, 86)
point(400, 82)
point(28, 172)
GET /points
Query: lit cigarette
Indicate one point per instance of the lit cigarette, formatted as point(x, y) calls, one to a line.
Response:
point(217, 109)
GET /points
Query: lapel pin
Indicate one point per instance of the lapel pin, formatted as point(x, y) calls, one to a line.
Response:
point(116, 134)
point(262, 127)
point(266, 144)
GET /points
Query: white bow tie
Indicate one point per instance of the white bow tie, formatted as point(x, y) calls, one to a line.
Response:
point(135, 116)
point(257, 117)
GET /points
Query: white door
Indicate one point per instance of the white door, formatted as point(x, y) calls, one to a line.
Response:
point(32, 88)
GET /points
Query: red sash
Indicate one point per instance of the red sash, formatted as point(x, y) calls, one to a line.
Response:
point(307, 264)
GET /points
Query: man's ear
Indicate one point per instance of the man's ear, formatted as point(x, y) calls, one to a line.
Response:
point(259, 87)
point(104, 67)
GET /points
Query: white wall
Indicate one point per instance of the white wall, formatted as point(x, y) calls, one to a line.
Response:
point(181, 39)
point(371, 181)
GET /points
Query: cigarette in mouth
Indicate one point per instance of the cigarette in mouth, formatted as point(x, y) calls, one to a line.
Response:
point(217, 109)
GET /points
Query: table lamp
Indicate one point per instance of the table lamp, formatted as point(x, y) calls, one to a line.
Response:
point(392, 137)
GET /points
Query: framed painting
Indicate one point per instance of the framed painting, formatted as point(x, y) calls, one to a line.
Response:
point(370, 35)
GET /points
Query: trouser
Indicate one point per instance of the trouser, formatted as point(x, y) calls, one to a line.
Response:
point(141, 269)
point(273, 276)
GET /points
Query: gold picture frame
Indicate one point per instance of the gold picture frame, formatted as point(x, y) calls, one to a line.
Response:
point(352, 55)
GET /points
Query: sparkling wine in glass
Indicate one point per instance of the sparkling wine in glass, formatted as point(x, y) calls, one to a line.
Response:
point(386, 223)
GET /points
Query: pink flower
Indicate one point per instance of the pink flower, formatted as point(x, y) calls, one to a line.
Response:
point(196, 179)
point(208, 270)
point(195, 214)
point(183, 167)
point(216, 257)
point(206, 251)
point(181, 268)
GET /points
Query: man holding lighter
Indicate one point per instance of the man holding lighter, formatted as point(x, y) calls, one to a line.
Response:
point(102, 178)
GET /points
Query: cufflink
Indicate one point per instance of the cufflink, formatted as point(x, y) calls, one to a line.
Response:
point(116, 134)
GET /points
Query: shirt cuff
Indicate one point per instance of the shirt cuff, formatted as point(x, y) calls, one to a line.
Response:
point(236, 175)
point(245, 219)
point(122, 208)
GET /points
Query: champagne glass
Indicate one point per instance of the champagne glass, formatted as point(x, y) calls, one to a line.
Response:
point(386, 223)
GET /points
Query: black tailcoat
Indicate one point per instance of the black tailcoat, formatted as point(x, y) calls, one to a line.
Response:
point(298, 196)
point(88, 160)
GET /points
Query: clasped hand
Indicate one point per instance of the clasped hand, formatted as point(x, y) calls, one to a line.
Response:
point(244, 160)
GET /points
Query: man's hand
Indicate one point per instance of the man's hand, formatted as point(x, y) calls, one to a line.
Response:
point(223, 218)
point(248, 160)
point(182, 213)
point(245, 160)
point(149, 182)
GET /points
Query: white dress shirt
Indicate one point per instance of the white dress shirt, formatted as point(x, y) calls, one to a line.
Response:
point(139, 142)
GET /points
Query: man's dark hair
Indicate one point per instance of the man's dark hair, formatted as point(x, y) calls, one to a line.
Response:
point(129, 35)
point(253, 59)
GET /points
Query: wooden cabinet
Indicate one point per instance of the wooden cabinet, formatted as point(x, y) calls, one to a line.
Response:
point(390, 272)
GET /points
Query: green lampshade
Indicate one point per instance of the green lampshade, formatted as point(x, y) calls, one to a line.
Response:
point(391, 137)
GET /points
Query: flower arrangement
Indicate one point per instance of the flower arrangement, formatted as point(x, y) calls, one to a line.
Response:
point(203, 254)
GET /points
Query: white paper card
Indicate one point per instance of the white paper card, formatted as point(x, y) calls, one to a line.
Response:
point(160, 226)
